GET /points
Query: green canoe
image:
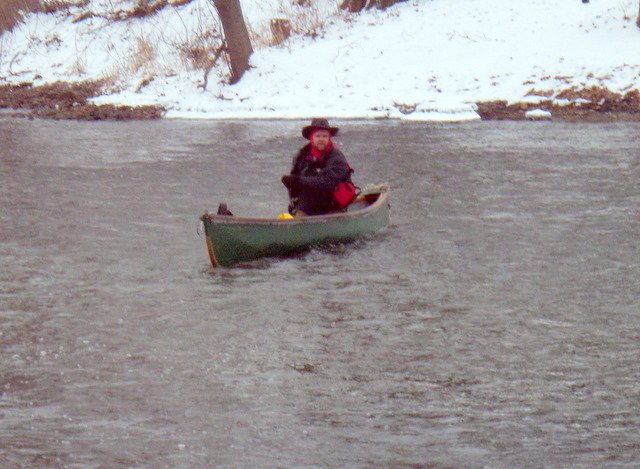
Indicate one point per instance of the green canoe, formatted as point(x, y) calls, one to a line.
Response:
point(232, 239)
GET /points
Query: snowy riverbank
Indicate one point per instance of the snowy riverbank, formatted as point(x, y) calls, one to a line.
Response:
point(419, 60)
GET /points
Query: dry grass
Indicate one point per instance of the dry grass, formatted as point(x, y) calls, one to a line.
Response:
point(594, 103)
point(144, 55)
point(141, 9)
point(304, 18)
point(70, 101)
point(27, 96)
point(52, 6)
point(202, 42)
point(142, 61)
point(148, 7)
point(198, 51)
point(354, 6)
point(12, 11)
point(201, 52)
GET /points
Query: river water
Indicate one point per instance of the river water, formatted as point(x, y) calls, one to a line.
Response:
point(496, 323)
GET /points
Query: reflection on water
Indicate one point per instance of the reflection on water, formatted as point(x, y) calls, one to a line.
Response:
point(495, 323)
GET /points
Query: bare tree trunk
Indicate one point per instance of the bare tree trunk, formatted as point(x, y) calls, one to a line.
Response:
point(235, 35)
point(638, 20)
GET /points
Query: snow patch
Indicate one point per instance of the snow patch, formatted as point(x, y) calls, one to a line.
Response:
point(537, 114)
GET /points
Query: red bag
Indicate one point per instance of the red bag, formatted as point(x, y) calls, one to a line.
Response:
point(344, 194)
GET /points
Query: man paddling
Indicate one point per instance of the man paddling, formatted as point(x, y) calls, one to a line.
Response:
point(317, 172)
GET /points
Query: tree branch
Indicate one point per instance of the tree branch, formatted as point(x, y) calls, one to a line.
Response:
point(212, 63)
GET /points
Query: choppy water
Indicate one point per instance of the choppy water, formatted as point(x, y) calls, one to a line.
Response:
point(496, 323)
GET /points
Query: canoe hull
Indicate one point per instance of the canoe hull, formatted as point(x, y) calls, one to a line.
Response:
point(234, 239)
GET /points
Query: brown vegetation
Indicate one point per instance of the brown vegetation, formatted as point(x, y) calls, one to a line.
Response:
point(358, 5)
point(11, 12)
point(141, 9)
point(595, 103)
point(69, 101)
point(280, 30)
point(145, 8)
point(51, 6)
point(302, 17)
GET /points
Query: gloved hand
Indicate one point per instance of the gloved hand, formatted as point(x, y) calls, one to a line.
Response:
point(290, 181)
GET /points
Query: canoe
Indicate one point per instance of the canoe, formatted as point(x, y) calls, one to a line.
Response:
point(232, 239)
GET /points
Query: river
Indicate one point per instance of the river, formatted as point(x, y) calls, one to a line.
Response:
point(495, 323)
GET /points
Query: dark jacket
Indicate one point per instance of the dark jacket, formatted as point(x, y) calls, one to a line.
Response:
point(318, 178)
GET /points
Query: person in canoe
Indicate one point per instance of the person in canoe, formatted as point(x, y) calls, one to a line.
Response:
point(320, 177)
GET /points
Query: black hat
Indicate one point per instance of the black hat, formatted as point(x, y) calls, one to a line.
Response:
point(318, 124)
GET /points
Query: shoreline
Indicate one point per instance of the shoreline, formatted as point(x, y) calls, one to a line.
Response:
point(71, 101)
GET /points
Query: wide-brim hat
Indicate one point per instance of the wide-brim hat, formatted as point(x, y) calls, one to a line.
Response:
point(318, 124)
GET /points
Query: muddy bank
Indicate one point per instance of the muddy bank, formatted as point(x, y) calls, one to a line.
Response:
point(72, 101)
point(69, 101)
point(589, 104)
